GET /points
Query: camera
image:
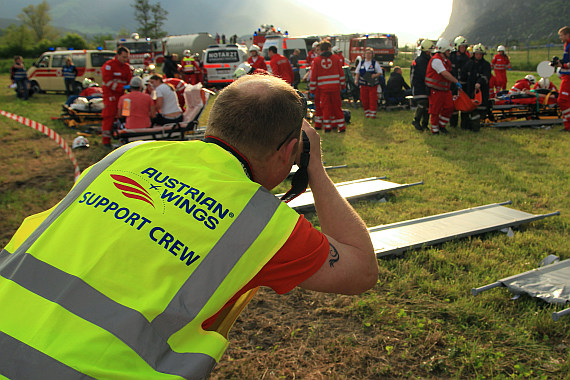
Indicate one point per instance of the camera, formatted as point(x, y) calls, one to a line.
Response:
point(555, 61)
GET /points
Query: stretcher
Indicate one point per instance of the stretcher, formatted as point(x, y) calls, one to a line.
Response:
point(550, 282)
point(351, 191)
point(196, 100)
point(294, 168)
point(540, 107)
point(84, 118)
point(396, 238)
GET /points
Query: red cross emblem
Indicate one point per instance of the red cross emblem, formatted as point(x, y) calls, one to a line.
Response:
point(326, 63)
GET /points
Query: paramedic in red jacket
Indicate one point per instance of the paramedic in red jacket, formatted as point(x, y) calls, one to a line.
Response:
point(500, 64)
point(255, 60)
point(116, 75)
point(439, 80)
point(564, 64)
point(545, 84)
point(327, 75)
point(313, 53)
point(179, 86)
point(280, 65)
point(523, 86)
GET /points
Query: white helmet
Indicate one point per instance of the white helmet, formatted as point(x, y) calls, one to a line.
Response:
point(335, 49)
point(187, 53)
point(254, 48)
point(135, 36)
point(315, 44)
point(443, 45)
point(460, 41)
point(544, 83)
point(427, 45)
point(501, 48)
point(87, 82)
point(479, 48)
point(530, 78)
point(80, 142)
point(146, 55)
point(243, 69)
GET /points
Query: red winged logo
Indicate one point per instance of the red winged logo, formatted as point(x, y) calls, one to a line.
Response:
point(131, 189)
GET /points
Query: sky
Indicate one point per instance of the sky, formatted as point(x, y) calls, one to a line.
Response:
point(408, 19)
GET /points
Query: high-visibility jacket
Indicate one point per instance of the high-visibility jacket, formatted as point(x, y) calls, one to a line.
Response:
point(435, 80)
point(115, 76)
point(258, 63)
point(188, 64)
point(116, 280)
point(326, 73)
point(69, 72)
point(500, 62)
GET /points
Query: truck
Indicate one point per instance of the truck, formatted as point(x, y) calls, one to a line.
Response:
point(195, 42)
point(266, 30)
point(385, 47)
point(138, 47)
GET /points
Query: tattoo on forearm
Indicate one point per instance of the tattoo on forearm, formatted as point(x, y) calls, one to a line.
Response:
point(334, 255)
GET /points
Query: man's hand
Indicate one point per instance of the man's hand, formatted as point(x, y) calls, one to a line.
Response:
point(315, 162)
point(477, 86)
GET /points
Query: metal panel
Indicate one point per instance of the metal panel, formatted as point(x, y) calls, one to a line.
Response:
point(396, 238)
point(351, 190)
point(526, 123)
point(550, 283)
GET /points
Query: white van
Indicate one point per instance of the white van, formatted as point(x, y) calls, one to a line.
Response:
point(45, 74)
point(220, 62)
point(285, 46)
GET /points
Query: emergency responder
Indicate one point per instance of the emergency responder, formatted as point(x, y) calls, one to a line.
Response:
point(336, 50)
point(523, 86)
point(459, 57)
point(500, 64)
point(188, 67)
point(19, 77)
point(475, 76)
point(69, 73)
point(327, 75)
point(564, 65)
point(439, 80)
point(147, 61)
point(367, 77)
point(313, 53)
point(144, 297)
point(545, 84)
point(280, 65)
point(396, 88)
point(116, 75)
point(256, 60)
point(179, 86)
point(296, 66)
point(420, 91)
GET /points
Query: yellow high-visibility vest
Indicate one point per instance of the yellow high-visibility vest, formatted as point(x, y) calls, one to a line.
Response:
point(116, 280)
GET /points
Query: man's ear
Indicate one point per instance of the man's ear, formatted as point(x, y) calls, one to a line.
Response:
point(288, 152)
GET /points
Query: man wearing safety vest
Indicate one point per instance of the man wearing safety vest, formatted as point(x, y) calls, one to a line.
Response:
point(190, 229)
point(564, 65)
point(116, 74)
point(439, 80)
point(500, 64)
point(188, 67)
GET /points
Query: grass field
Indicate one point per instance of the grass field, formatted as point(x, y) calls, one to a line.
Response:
point(420, 320)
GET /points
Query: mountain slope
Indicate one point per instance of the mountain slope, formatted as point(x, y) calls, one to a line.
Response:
point(502, 21)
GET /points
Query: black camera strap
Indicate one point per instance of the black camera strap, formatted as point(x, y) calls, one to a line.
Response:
point(300, 179)
point(243, 161)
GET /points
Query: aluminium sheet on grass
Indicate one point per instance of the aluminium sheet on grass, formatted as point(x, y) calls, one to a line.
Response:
point(550, 283)
point(396, 238)
point(351, 190)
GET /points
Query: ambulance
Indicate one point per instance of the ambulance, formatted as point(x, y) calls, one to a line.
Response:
point(45, 73)
point(220, 62)
point(285, 46)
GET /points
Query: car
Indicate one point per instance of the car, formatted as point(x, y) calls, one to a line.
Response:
point(45, 73)
point(221, 61)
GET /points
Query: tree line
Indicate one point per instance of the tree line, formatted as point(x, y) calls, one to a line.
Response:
point(35, 34)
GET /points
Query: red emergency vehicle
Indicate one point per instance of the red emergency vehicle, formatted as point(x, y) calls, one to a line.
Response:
point(385, 47)
point(264, 31)
point(138, 47)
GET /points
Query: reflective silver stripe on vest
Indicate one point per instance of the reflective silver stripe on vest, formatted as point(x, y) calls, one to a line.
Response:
point(75, 295)
point(20, 361)
point(186, 304)
point(148, 341)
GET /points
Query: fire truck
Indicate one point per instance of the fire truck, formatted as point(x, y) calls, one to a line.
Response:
point(266, 30)
point(354, 45)
point(138, 47)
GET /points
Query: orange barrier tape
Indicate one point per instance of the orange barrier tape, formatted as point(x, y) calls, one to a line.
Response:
point(49, 133)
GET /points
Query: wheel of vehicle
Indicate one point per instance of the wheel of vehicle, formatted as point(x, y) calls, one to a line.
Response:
point(35, 87)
